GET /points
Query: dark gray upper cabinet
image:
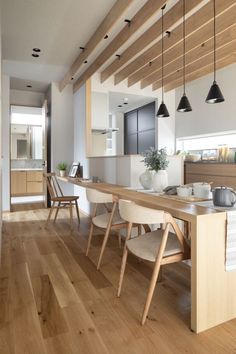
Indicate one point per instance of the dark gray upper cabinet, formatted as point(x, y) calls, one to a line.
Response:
point(139, 129)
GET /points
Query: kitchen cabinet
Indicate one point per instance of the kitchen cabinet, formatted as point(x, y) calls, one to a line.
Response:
point(219, 174)
point(26, 182)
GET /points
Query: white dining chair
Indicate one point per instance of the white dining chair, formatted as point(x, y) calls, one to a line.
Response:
point(159, 247)
point(110, 220)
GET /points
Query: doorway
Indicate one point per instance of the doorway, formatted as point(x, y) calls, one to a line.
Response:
point(27, 156)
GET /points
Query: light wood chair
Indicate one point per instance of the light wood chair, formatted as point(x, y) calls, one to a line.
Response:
point(59, 200)
point(110, 220)
point(159, 247)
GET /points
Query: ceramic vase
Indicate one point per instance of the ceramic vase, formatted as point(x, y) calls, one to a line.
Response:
point(145, 179)
point(62, 173)
point(160, 181)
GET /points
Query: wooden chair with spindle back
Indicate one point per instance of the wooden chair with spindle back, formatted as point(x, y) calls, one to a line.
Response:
point(59, 200)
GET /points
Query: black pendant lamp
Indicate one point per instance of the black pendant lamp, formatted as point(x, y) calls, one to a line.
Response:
point(184, 105)
point(215, 94)
point(162, 111)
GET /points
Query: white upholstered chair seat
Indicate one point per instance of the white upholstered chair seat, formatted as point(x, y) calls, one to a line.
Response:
point(102, 220)
point(147, 246)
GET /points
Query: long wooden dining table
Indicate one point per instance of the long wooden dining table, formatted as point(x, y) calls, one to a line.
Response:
point(213, 290)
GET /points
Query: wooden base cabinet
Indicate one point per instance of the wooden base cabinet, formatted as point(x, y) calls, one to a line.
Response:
point(18, 183)
point(26, 183)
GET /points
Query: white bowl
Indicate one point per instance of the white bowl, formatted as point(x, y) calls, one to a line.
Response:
point(184, 191)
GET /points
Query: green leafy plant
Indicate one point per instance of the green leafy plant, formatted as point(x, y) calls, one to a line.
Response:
point(62, 166)
point(155, 160)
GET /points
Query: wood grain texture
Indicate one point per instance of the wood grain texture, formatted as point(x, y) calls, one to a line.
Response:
point(193, 24)
point(98, 322)
point(138, 20)
point(171, 17)
point(221, 53)
point(205, 70)
point(107, 24)
point(195, 50)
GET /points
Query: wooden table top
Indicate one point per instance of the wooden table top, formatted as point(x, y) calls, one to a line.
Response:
point(183, 210)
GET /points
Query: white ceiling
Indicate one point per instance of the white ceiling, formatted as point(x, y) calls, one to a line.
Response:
point(21, 84)
point(134, 101)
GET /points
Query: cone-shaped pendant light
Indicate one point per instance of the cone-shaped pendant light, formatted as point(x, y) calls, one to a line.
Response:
point(162, 111)
point(184, 105)
point(215, 94)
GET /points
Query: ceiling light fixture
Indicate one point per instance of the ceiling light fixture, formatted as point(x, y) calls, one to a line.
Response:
point(37, 50)
point(106, 36)
point(35, 55)
point(29, 86)
point(184, 105)
point(162, 111)
point(120, 105)
point(215, 94)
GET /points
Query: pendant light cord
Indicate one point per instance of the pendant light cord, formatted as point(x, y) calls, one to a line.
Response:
point(214, 40)
point(162, 54)
point(184, 45)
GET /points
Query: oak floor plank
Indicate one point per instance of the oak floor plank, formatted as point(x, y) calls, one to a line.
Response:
point(46, 276)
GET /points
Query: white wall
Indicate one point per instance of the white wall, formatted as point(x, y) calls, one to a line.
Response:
point(6, 142)
point(80, 143)
point(119, 123)
point(208, 118)
point(62, 129)
point(26, 98)
point(166, 126)
point(1, 159)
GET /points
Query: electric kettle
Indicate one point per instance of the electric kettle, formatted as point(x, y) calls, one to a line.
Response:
point(224, 197)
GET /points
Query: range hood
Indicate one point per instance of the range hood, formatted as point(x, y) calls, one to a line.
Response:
point(99, 131)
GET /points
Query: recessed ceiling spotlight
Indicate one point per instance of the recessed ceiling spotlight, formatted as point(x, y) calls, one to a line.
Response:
point(125, 102)
point(37, 50)
point(106, 36)
point(35, 55)
point(72, 78)
point(29, 86)
point(120, 105)
point(85, 62)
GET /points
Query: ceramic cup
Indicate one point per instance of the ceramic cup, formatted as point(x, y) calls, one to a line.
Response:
point(184, 191)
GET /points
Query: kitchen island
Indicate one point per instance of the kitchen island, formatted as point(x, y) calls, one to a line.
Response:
point(213, 289)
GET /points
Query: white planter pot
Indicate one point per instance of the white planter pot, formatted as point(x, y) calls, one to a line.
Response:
point(145, 179)
point(160, 181)
point(62, 173)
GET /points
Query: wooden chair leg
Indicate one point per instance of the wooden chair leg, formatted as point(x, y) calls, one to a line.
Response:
point(122, 270)
point(119, 238)
point(89, 238)
point(57, 211)
point(77, 210)
point(106, 235)
point(50, 211)
point(151, 291)
point(71, 215)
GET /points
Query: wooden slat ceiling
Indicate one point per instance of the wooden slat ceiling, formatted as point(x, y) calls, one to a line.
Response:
point(141, 61)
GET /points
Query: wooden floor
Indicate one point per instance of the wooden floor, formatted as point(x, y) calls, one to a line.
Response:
point(52, 299)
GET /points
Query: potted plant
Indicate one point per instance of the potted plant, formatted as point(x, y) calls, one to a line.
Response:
point(156, 160)
point(62, 166)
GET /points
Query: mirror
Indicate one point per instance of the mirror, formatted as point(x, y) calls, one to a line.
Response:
point(107, 130)
point(26, 141)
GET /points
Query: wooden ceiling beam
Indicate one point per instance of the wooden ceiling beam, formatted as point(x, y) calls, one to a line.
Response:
point(170, 18)
point(221, 53)
point(203, 71)
point(201, 50)
point(138, 20)
point(194, 23)
point(195, 41)
point(109, 21)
